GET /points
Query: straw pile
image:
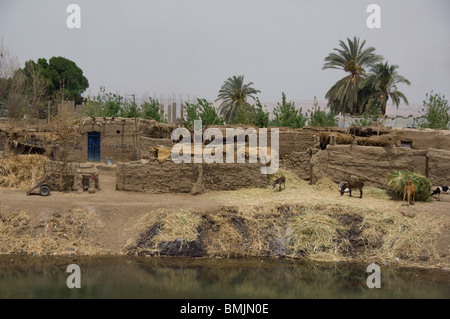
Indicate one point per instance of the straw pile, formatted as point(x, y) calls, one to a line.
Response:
point(317, 232)
point(67, 233)
point(21, 171)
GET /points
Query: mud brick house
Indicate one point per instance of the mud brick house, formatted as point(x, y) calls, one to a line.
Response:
point(119, 139)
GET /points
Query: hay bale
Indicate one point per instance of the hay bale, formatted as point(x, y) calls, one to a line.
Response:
point(22, 171)
point(163, 153)
point(325, 184)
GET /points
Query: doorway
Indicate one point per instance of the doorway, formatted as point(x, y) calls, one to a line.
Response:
point(94, 146)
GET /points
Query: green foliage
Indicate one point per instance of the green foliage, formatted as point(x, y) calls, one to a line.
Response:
point(320, 118)
point(233, 94)
point(437, 112)
point(204, 111)
point(352, 58)
point(105, 104)
point(366, 119)
point(285, 114)
point(129, 109)
point(63, 77)
point(249, 114)
point(262, 117)
point(380, 86)
point(151, 110)
point(246, 115)
point(397, 180)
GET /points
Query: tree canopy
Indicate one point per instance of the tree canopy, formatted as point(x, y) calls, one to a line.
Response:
point(62, 77)
point(233, 95)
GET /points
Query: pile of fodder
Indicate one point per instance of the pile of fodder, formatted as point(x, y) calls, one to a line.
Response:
point(381, 140)
point(68, 233)
point(316, 232)
point(326, 184)
point(341, 138)
point(397, 180)
point(165, 232)
point(21, 171)
point(398, 237)
point(292, 179)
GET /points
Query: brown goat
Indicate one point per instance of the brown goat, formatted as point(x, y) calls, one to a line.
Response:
point(352, 184)
point(280, 180)
point(409, 192)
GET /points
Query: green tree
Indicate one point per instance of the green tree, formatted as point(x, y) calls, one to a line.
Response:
point(64, 78)
point(352, 58)
point(320, 118)
point(245, 115)
point(262, 117)
point(381, 85)
point(233, 94)
point(204, 111)
point(151, 110)
point(285, 114)
point(105, 104)
point(436, 112)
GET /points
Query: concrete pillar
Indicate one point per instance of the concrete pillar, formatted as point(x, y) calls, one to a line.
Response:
point(169, 114)
point(174, 112)
point(161, 111)
point(181, 112)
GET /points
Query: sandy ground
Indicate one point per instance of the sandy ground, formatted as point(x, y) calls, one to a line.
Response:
point(117, 208)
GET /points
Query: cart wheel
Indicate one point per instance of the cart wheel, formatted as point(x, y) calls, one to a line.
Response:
point(44, 190)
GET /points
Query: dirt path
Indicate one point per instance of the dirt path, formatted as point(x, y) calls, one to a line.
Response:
point(117, 208)
point(114, 207)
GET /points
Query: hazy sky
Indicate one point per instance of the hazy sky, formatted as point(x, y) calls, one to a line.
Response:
point(192, 46)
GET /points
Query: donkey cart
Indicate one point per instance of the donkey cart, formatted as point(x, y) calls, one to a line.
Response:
point(44, 189)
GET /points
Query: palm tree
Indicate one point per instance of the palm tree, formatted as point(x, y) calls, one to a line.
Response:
point(352, 58)
point(381, 85)
point(233, 95)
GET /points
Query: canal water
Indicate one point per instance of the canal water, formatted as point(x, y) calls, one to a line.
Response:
point(221, 278)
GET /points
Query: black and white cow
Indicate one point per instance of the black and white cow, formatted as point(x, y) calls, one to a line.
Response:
point(440, 190)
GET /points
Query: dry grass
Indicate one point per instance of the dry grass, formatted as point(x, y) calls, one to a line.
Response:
point(402, 237)
point(315, 234)
point(325, 184)
point(71, 232)
point(21, 171)
point(182, 224)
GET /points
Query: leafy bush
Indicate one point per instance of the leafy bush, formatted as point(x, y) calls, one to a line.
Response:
point(320, 118)
point(397, 180)
point(286, 115)
point(437, 112)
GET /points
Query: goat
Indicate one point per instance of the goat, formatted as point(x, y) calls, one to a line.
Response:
point(409, 192)
point(441, 189)
point(280, 180)
point(352, 184)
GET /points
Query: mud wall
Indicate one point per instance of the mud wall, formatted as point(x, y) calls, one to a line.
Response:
point(368, 163)
point(170, 177)
point(424, 139)
point(372, 164)
point(438, 166)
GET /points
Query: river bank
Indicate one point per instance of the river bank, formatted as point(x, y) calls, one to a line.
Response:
point(308, 222)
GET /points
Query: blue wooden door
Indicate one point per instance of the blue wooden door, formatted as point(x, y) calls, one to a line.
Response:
point(94, 146)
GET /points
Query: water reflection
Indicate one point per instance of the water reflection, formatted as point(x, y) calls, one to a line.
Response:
point(125, 277)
